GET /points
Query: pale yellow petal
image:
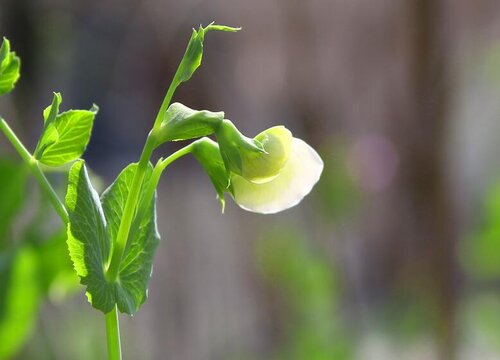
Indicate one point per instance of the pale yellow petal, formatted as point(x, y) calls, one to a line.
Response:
point(295, 181)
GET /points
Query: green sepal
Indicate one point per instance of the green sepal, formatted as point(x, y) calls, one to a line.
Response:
point(91, 232)
point(182, 123)
point(10, 66)
point(206, 151)
point(65, 136)
point(233, 146)
point(194, 52)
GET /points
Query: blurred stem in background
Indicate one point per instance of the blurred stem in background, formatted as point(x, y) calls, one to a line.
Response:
point(308, 289)
point(423, 155)
point(34, 266)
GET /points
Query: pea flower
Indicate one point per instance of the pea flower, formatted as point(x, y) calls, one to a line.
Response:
point(272, 172)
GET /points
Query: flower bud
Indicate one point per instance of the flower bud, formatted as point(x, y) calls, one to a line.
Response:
point(263, 167)
point(235, 148)
point(259, 159)
point(295, 180)
point(183, 123)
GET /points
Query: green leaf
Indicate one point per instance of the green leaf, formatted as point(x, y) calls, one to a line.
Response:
point(182, 123)
point(4, 50)
point(12, 191)
point(207, 153)
point(65, 136)
point(92, 230)
point(19, 299)
point(136, 266)
point(194, 52)
point(10, 66)
point(88, 238)
point(51, 111)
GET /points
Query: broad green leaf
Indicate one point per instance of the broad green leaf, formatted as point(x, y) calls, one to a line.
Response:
point(207, 153)
point(182, 123)
point(10, 66)
point(92, 230)
point(136, 267)
point(65, 136)
point(12, 191)
point(194, 52)
point(19, 298)
point(88, 238)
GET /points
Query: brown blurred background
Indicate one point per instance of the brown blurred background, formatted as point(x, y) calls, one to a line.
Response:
point(402, 101)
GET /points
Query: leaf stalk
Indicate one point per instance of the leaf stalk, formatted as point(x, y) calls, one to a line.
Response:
point(34, 166)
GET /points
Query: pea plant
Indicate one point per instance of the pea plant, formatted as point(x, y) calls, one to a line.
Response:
point(112, 238)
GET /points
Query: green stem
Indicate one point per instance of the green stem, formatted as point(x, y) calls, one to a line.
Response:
point(152, 185)
point(176, 155)
point(129, 211)
point(133, 196)
point(113, 335)
point(166, 102)
point(157, 171)
point(35, 168)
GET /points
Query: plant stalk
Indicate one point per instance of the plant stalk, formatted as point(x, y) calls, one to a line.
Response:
point(166, 102)
point(155, 178)
point(113, 335)
point(34, 166)
point(129, 211)
point(133, 196)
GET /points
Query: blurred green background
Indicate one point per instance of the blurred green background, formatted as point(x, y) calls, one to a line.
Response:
point(394, 255)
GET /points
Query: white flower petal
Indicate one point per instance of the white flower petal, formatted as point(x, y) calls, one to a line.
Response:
point(295, 181)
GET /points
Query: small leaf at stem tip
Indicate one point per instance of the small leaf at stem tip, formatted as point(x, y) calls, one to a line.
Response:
point(51, 111)
point(10, 66)
point(65, 136)
point(194, 51)
point(4, 49)
point(213, 26)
